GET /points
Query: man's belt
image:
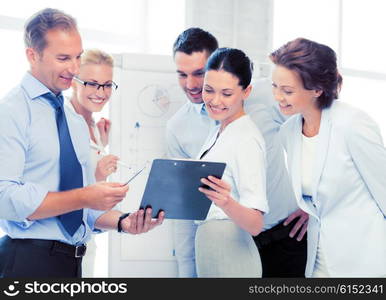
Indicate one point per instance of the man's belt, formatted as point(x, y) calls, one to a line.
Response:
point(56, 246)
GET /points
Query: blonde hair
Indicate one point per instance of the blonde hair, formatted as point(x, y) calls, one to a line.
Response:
point(97, 57)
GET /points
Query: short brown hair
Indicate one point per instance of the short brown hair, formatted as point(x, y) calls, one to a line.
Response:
point(37, 26)
point(316, 65)
point(195, 39)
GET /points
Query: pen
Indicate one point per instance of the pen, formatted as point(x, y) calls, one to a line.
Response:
point(103, 152)
point(135, 175)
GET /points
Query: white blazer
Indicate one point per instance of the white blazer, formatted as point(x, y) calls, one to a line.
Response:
point(349, 191)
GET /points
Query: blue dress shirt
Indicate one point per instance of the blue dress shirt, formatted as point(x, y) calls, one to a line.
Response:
point(187, 130)
point(29, 160)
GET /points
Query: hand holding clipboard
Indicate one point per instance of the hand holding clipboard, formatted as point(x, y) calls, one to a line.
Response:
point(172, 187)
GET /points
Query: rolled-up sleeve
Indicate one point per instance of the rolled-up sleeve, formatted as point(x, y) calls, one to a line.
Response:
point(250, 175)
point(92, 216)
point(18, 199)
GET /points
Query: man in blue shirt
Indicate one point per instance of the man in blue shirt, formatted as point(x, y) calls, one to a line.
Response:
point(187, 130)
point(46, 223)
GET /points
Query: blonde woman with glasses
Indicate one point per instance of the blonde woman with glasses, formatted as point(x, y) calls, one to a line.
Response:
point(92, 89)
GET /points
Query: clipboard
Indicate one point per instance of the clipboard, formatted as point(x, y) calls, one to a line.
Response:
point(173, 185)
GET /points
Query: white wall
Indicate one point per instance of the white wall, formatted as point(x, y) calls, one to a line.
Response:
point(243, 24)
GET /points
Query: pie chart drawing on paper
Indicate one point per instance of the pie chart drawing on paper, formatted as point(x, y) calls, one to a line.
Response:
point(154, 101)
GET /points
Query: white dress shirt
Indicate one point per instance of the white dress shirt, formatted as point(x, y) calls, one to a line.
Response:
point(308, 156)
point(241, 146)
point(188, 129)
point(186, 133)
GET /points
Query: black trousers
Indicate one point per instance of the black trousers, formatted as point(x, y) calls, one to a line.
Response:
point(282, 256)
point(36, 258)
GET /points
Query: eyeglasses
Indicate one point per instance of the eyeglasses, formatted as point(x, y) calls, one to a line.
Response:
point(107, 87)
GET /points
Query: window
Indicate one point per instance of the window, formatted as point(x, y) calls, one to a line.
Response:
point(141, 26)
point(315, 20)
point(13, 54)
point(363, 41)
point(362, 61)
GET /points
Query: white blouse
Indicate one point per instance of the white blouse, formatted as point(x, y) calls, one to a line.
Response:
point(308, 158)
point(241, 146)
point(97, 150)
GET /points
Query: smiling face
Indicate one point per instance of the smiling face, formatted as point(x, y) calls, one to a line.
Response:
point(191, 70)
point(288, 90)
point(223, 96)
point(59, 61)
point(90, 99)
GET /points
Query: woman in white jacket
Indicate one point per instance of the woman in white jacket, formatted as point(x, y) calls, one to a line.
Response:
point(337, 164)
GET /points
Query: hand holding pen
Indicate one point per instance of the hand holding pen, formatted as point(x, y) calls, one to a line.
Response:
point(111, 162)
point(102, 151)
point(106, 166)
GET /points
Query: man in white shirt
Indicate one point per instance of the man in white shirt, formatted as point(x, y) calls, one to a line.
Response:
point(186, 132)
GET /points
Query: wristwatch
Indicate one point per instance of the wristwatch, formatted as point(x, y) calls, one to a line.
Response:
point(119, 225)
